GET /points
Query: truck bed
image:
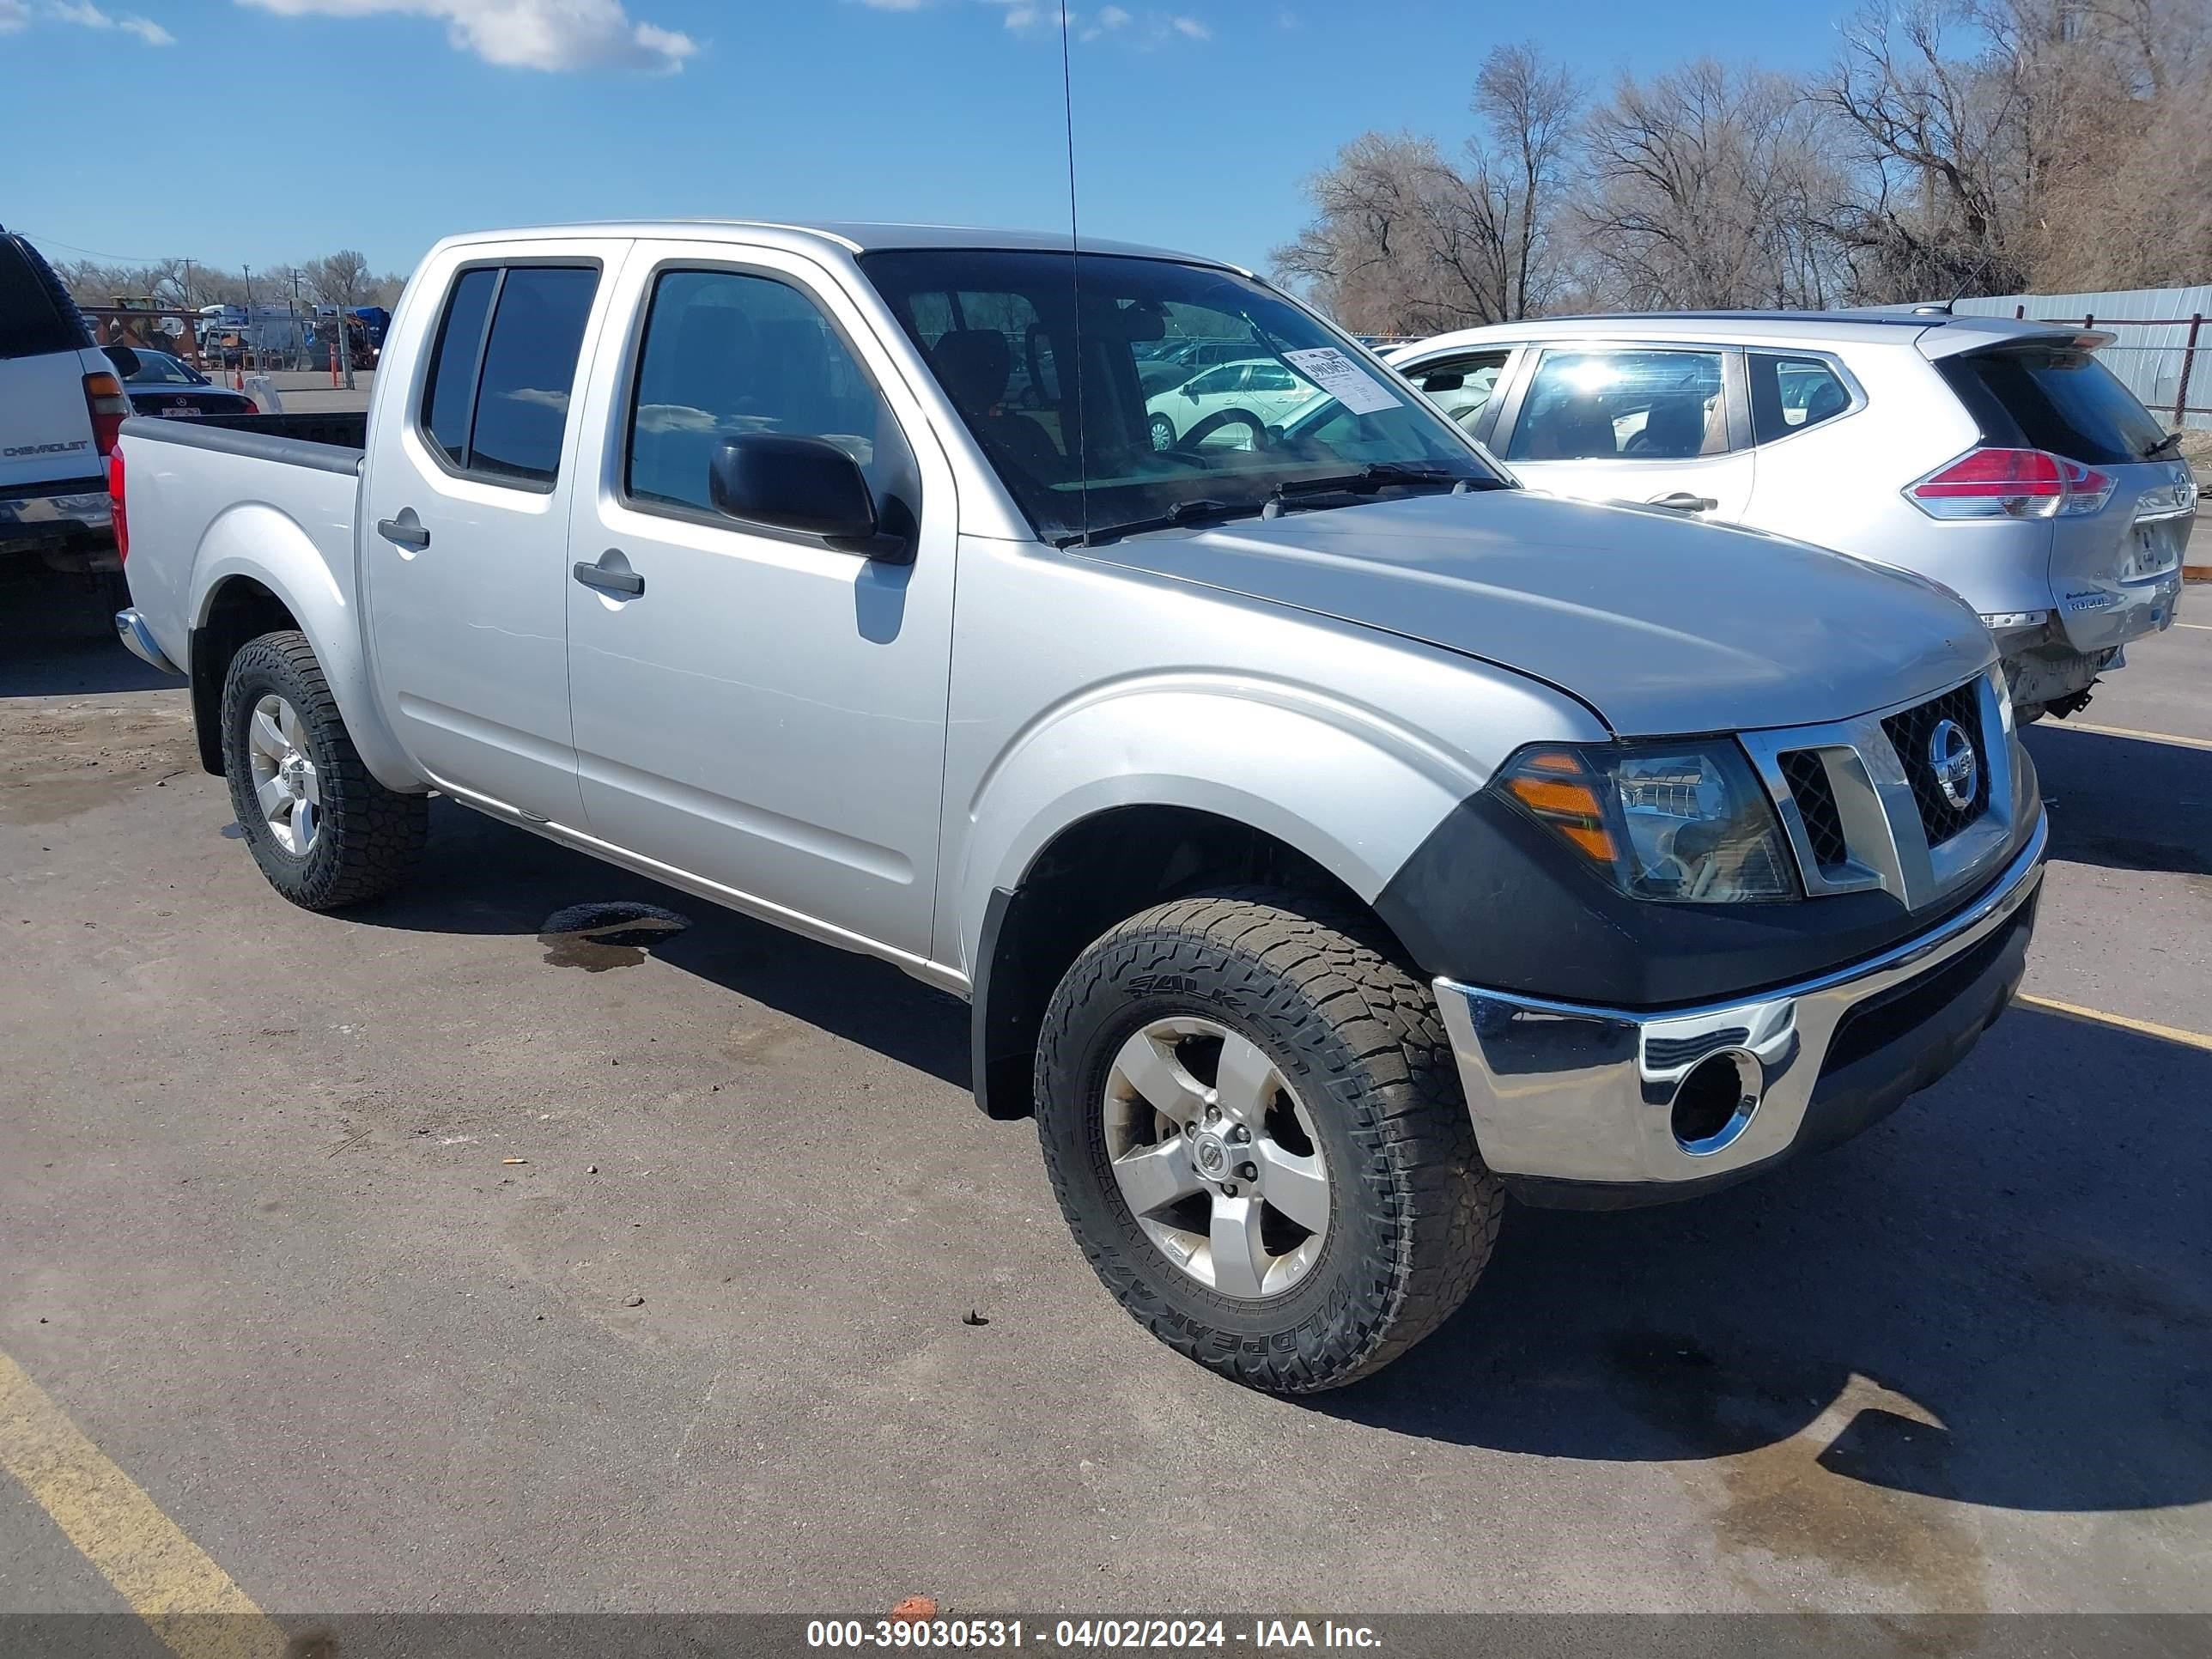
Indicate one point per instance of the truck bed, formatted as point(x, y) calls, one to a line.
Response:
point(268, 498)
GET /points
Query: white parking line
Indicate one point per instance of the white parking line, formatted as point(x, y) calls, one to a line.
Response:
point(2129, 731)
point(2196, 628)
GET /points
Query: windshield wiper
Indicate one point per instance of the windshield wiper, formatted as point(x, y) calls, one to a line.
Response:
point(1203, 510)
point(2165, 445)
point(1377, 475)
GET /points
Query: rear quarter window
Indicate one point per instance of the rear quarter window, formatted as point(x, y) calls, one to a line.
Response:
point(36, 317)
point(2056, 398)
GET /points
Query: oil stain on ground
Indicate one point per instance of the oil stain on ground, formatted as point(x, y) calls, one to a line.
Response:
point(597, 937)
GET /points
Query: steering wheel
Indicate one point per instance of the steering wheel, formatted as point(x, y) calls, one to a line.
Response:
point(1220, 418)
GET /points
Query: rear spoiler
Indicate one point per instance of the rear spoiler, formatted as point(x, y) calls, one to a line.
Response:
point(1952, 337)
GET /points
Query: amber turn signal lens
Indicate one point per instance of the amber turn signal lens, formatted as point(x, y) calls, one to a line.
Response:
point(1556, 787)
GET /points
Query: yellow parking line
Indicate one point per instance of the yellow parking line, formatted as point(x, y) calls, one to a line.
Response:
point(2129, 731)
point(2147, 1028)
point(191, 1603)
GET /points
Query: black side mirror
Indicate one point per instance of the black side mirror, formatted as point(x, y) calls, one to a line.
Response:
point(793, 484)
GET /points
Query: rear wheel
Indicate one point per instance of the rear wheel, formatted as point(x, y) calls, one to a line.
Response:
point(1254, 1128)
point(323, 831)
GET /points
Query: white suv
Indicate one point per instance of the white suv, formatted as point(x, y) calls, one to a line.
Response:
point(1998, 458)
point(60, 405)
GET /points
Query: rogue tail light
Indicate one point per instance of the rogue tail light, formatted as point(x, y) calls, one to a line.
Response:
point(104, 401)
point(115, 497)
point(2010, 483)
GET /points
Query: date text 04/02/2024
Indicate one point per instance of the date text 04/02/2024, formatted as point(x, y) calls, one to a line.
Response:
point(1178, 1635)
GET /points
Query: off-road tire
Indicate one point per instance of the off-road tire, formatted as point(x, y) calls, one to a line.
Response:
point(1415, 1213)
point(369, 836)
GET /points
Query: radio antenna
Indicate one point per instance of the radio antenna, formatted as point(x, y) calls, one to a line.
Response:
point(1074, 279)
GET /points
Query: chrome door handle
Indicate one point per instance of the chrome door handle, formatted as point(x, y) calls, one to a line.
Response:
point(406, 530)
point(627, 583)
point(1682, 501)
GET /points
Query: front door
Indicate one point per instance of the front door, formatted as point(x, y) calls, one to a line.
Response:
point(465, 553)
point(1634, 423)
point(756, 706)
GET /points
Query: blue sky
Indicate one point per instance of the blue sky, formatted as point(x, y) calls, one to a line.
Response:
point(269, 131)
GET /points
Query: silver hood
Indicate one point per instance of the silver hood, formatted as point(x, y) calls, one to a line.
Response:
point(1661, 624)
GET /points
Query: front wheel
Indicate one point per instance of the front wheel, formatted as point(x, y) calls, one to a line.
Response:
point(1253, 1125)
point(324, 832)
point(1163, 433)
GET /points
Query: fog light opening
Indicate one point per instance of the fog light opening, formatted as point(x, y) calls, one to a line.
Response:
point(1714, 1104)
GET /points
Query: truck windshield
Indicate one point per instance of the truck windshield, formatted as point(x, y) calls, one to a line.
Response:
point(1196, 393)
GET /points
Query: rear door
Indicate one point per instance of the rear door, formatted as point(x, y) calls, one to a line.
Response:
point(464, 547)
point(1663, 425)
point(2116, 571)
point(45, 427)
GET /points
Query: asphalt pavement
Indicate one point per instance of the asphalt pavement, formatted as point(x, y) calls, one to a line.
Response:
point(408, 1261)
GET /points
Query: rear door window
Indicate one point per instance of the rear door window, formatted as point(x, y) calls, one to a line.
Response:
point(447, 395)
point(2056, 398)
point(33, 323)
point(496, 401)
point(530, 373)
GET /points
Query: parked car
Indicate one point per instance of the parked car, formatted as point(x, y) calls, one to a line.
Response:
point(1329, 835)
point(158, 384)
point(1169, 363)
point(61, 404)
point(1996, 457)
point(1234, 401)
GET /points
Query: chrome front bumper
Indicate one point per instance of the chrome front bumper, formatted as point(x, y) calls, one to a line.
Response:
point(1585, 1096)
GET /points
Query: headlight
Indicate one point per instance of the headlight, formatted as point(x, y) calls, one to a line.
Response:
point(1684, 822)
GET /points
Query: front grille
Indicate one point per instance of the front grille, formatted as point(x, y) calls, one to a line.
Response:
point(1807, 775)
point(1909, 734)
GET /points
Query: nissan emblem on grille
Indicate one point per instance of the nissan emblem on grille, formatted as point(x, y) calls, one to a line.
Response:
point(1951, 758)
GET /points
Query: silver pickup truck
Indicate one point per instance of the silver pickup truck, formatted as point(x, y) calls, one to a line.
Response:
point(1329, 836)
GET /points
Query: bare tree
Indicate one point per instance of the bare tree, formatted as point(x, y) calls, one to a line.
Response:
point(339, 279)
point(1707, 184)
point(1404, 239)
point(1531, 109)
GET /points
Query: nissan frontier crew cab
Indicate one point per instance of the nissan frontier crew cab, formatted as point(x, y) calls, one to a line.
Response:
point(1329, 836)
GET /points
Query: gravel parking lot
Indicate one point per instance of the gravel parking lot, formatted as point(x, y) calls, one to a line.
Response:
point(410, 1261)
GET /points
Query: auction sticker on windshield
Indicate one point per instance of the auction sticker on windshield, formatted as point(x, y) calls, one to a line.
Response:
point(1343, 379)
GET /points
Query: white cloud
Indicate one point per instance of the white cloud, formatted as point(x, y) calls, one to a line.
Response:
point(14, 14)
point(85, 15)
point(541, 34)
point(1113, 17)
point(1190, 26)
